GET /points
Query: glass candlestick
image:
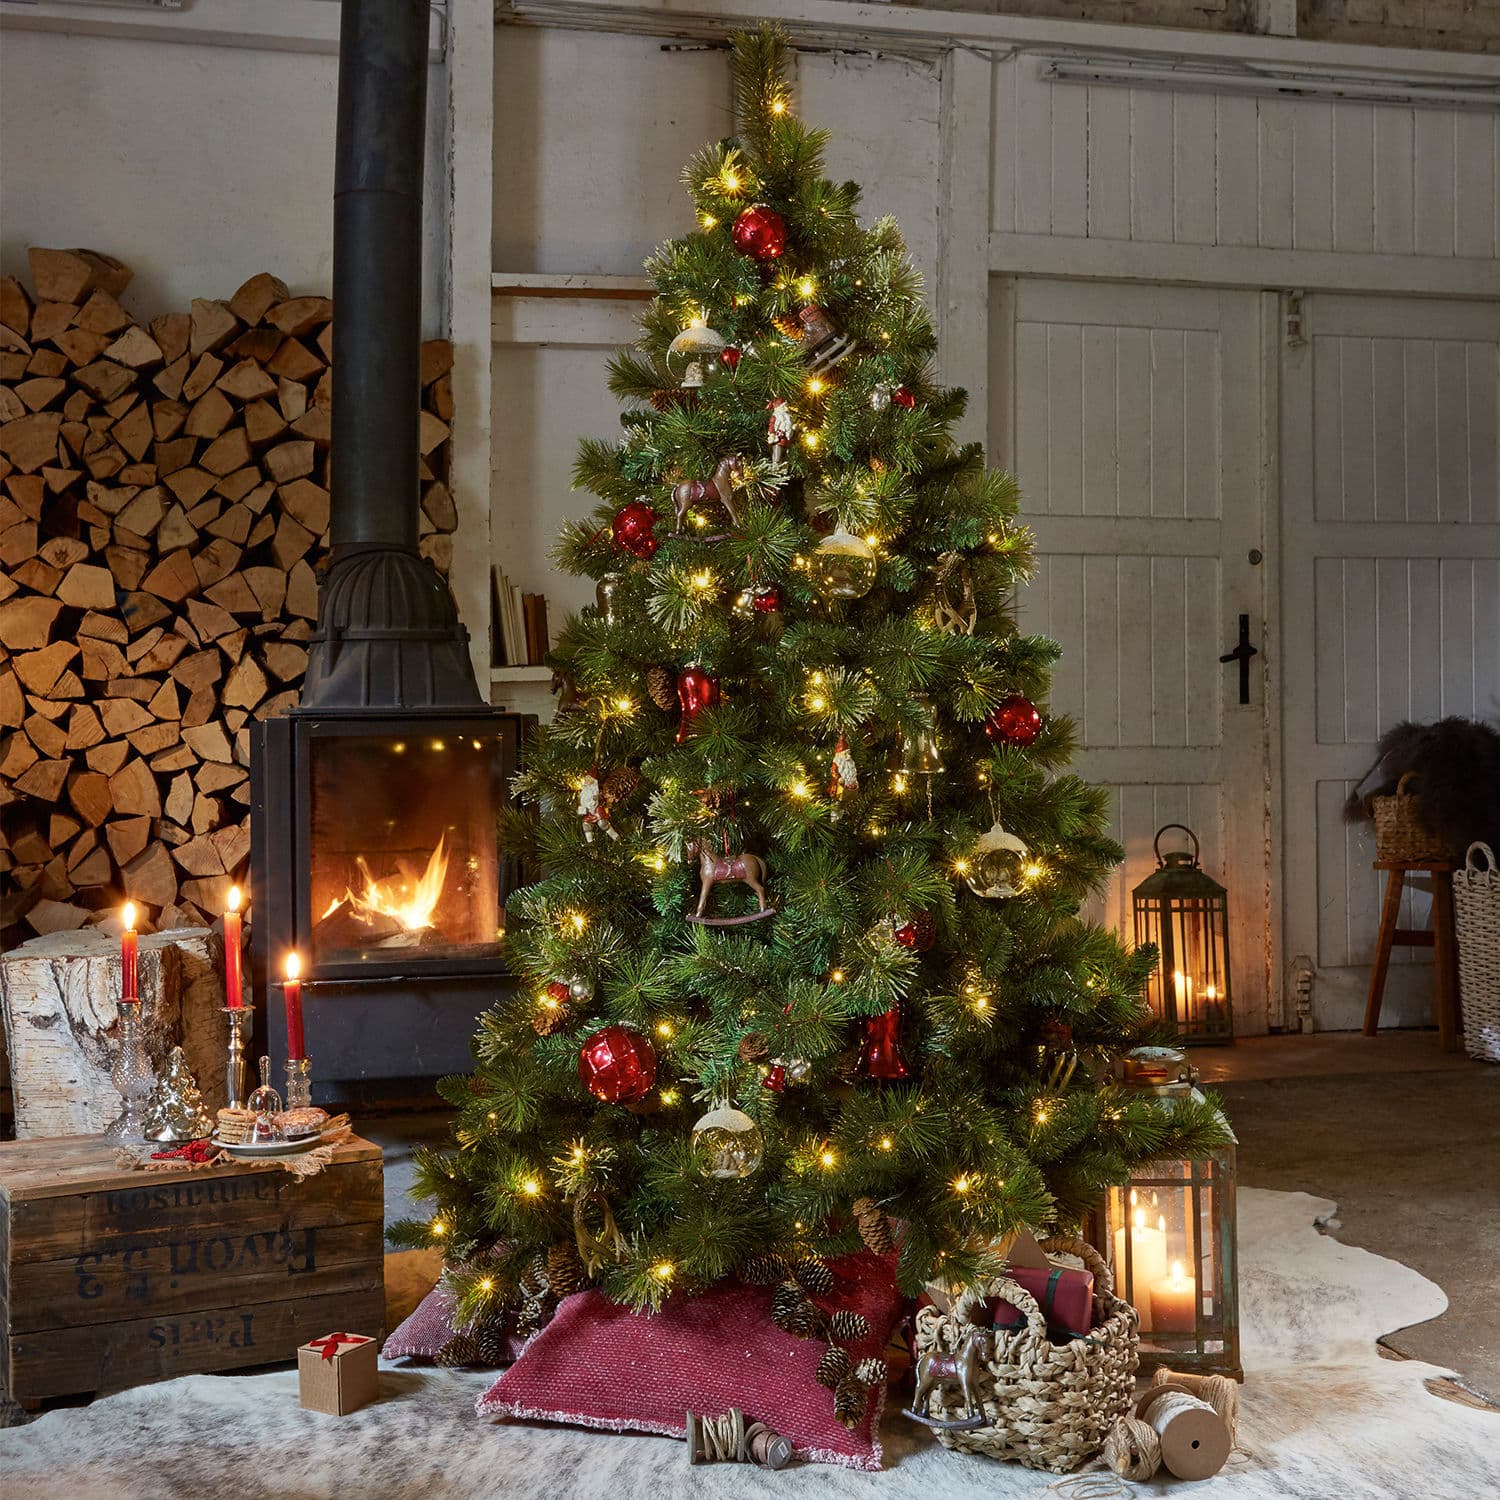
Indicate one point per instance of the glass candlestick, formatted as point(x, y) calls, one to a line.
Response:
point(236, 1068)
point(298, 1083)
point(132, 1076)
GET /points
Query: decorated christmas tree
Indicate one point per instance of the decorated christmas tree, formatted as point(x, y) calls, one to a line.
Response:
point(803, 967)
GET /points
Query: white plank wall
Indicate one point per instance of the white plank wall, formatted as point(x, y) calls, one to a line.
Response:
point(1107, 161)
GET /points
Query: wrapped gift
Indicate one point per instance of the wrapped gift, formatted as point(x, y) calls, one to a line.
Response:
point(1064, 1295)
point(338, 1374)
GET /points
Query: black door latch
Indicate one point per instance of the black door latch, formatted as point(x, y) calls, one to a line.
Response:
point(1242, 654)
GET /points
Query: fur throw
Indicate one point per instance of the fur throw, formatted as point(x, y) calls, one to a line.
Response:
point(1457, 767)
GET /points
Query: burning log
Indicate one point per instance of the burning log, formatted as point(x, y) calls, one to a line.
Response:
point(163, 512)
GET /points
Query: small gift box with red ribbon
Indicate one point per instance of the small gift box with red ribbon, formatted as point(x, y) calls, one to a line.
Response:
point(337, 1373)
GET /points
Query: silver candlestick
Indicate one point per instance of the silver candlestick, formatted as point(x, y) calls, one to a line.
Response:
point(236, 1070)
point(132, 1076)
point(298, 1083)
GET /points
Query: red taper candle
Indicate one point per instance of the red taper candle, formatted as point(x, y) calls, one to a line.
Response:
point(291, 989)
point(234, 984)
point(129, 956)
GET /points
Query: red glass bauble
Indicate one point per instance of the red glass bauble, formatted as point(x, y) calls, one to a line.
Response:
point(903, 397)
point(617, 1065)
point(768, 600)
point(731, 358)
point(918, 932)
point(696, 690)
point(558, 990)
point(759, 232)
point(1016, 721)
point(634, 529)
point(775, 1080)
point(880, 1051)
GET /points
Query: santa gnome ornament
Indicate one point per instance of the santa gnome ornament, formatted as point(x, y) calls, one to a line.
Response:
point(844, 775)
point(593, 808)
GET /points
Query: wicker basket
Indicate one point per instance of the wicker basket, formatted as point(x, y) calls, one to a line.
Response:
point(1400, 833)
point(1047, 1405)
point(1476, 918)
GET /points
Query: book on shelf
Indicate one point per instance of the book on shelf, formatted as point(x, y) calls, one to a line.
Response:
point(519, 635)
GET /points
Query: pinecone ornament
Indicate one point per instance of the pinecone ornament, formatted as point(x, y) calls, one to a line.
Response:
point(619, 783)
point(872, 1371)
point(850, 1400)
point(813, 1275)
point(849, 1327)
point(874, 1227)
point(661, 684)
point(461, 1350)
point(564, 1269)
point(833, 1368)
point(753, 1048)
point(546, 1019)
point(764, 1268)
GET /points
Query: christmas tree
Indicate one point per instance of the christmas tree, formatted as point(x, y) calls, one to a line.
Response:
point(804, 958)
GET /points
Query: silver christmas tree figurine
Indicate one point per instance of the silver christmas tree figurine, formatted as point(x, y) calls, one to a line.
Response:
point(175, 1110)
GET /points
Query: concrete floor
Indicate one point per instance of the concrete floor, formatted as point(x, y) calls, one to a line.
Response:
point(1404, 1137)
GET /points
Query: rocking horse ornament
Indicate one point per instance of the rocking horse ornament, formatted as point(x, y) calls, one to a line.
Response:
point(720, 488)
point(749, 869)
point(960, 1368)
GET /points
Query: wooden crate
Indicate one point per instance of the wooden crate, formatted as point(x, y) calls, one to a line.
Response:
point(112, 1278)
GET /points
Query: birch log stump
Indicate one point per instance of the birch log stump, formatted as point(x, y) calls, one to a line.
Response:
point(59, 1000)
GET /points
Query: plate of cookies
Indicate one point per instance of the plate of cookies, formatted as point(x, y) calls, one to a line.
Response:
point(243, 1132)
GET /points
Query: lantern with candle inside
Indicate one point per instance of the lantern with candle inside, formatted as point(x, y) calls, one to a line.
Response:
point(1184, 912)
point(1172, 1233)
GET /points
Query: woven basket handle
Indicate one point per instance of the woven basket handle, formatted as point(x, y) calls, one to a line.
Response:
point(975, 1299)
point(1071, 1244)
point(1480, 847)
point(1403, 787)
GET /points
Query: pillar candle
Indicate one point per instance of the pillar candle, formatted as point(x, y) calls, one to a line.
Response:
point(291, 989)
point(129, 956)
point(1148, 1262)
point(1174, 1302)
point(234, 987)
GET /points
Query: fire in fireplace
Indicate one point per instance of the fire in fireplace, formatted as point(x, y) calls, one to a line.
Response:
point(376, 802)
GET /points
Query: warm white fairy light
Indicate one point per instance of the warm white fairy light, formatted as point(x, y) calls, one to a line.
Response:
point(664, 1270)
point(531, 1187)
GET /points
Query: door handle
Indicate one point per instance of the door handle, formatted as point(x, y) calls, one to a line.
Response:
point(1242, 653)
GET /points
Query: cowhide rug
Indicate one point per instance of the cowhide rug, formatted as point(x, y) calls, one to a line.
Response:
point(1323, 1417)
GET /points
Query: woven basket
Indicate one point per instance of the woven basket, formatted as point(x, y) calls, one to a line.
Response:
point(1476, 918)
point(1047, 1405)
point(1400, 833)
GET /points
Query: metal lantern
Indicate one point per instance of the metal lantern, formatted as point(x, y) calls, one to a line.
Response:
point(1185, 913)
point(1171, 1235)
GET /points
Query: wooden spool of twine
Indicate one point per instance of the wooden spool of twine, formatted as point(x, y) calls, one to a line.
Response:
point(1186, 1422)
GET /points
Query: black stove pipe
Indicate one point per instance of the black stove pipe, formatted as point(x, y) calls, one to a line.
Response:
point(377, 272)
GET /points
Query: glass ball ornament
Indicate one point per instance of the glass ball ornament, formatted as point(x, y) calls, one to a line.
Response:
point(843, 566)
point(634, 529)
point(1015, 721)
point(617, 1064)
point(880, 396)
point(580, 989)
point(759, 232)
point(995, 864)
point(694, 357)
point(727, 1144)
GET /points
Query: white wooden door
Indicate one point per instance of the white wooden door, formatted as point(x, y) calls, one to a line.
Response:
point(1132, 417)
point(1391, 576)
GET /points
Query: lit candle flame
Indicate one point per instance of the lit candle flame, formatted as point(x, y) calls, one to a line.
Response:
point(234, 898)
point(293, 966)
point(129, 915)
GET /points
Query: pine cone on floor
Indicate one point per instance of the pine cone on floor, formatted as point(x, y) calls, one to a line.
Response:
point(754, 1048)
point(850, 1400)
point(874, 1227)
point(872, 1371)
point(813, 1275)
point(764, 1268)
point(535, 1314)
point(459, 1351)
point(564, 1269)
point(833, 1367)
point(785, 1300)
point(491, 1340)
point(791, 1311)
point(534, 1281)
point(661, 684)
point(849, 1327)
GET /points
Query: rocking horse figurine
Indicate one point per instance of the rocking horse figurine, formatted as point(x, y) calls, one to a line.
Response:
point(720, 488)
point(750, 869)
point(960, 1368)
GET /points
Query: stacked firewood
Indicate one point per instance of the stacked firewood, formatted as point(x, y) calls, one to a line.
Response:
point(163, 515)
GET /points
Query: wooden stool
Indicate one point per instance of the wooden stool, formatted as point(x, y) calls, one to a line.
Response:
point(1440, 938)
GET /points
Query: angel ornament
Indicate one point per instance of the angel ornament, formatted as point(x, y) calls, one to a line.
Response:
point(778, 432)
point(593, 808)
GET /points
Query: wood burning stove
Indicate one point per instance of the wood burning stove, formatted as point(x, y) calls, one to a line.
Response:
point(376, 802)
